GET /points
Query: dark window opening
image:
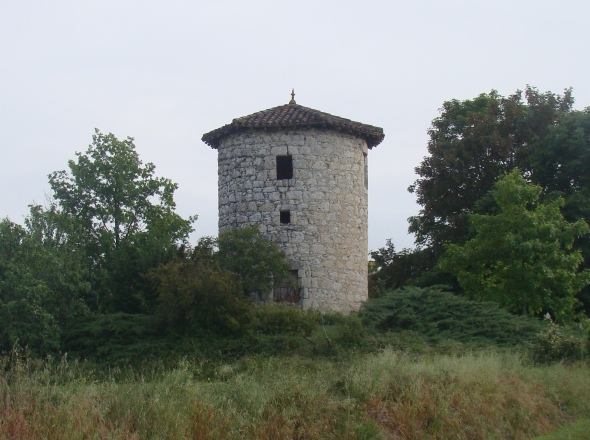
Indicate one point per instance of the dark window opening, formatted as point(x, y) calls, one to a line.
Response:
point(285, 217)
point(284, 167)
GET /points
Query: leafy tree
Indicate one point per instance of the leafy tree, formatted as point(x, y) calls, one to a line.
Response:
point(561, 163)
point(59, 261)
point(125, 216)
point(473, 142)
point(43, 281)
point(24, 318)
point(522, 257)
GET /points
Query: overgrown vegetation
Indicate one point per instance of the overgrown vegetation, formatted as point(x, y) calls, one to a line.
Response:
point(110, 253)
point(438, 315)
point(412, 320)
point(416, 363)
point(558, 344)
point(373, 396)
point(472, 144)
point(521, 257)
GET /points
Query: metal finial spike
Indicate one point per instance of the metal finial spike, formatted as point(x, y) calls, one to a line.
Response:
point(292, 97)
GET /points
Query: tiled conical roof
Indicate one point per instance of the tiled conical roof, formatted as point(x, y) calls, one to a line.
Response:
point(293, 115)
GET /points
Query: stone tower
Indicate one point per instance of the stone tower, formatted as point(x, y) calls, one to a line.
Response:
point(301, 175)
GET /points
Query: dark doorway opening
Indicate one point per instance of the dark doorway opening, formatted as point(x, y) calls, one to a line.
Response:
point(287, 292)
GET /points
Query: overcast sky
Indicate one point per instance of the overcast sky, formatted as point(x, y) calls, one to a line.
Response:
point(166, 72)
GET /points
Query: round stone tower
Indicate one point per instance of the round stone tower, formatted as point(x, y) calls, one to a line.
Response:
point(301, 176)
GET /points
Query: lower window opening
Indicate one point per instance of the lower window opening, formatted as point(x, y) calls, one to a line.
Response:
point(285, 217)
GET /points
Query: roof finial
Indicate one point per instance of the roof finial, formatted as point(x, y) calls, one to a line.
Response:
point(292, 97)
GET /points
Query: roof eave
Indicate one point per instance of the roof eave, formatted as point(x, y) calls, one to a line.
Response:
point(214, 137)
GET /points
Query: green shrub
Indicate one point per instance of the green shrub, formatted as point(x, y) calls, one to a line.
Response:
point(285, 319)
point(258, 263)
point(440, 316)
point(194, 296)
point(347, 332)
point(116, 336)
point(554, 344)
point(26, 323)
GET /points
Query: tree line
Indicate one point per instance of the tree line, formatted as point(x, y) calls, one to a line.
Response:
point(505, 196)
point(110, 242)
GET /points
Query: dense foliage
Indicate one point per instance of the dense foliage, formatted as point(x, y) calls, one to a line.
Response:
point(420, 363)
point(124, 217)
point(258, 263)
point(440, 315)
point(415, 320)
point(392, 269)
point(472, 144)
point(197, 295)
point(521, 257)
point(110, 255)
point(43, 280)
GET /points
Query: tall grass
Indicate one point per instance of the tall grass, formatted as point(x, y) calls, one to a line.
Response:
point(478, 395)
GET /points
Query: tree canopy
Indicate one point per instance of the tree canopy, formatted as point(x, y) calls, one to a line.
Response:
point(115, 196)
point(521, 257)
point(43, 280)
point(124, 216)
point(474, 142)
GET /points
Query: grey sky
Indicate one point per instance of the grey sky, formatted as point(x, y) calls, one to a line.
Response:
point(165, 72)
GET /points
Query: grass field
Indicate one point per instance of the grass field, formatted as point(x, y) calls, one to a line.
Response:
point(390, 394)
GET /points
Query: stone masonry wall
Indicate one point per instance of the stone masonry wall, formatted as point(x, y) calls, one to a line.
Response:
point(326, 239)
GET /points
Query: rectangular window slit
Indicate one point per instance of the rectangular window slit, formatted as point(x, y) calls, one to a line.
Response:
point(285, 217)
point(284, 167)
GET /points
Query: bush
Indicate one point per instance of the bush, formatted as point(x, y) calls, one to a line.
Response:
point(285, 319)
point(26, 323)
point(344, 331)
point(116, 336)
point(554, 344)
point(440, 316)
point(258, 263)
point(195, 296)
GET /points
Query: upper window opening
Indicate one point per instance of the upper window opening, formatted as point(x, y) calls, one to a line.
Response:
point(284, 167)
point(285, 217)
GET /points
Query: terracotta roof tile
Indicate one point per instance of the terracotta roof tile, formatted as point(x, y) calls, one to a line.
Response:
point(292, 116)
